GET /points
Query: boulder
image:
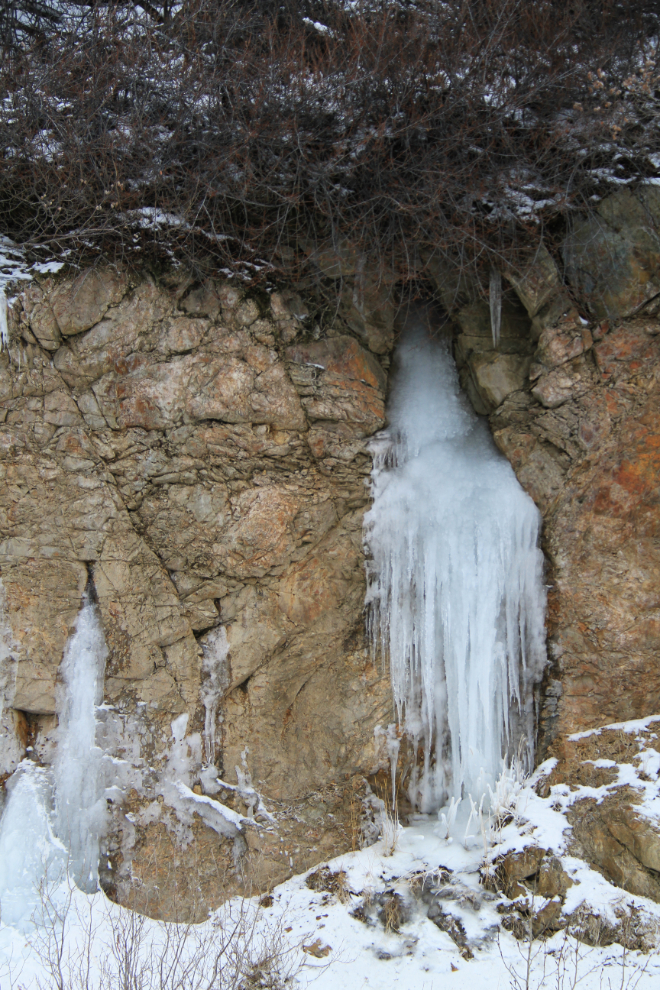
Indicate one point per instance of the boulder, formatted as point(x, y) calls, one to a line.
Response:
point(613, 258)
point(80, 304)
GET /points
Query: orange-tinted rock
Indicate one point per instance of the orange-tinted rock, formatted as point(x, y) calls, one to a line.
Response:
point(339, 381)
point(627, 351)
point(592, 463)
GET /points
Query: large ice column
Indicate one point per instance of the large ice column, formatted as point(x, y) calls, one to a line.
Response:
point(79, 795)
point(455, 581)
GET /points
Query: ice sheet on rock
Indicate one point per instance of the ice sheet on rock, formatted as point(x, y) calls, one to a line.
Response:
point(79, 798)
point(215, 650)
point(455, 580)
point(174, 785)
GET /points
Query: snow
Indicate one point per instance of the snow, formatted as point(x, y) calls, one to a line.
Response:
point(363, 954)
point(218, 816)
point(456, 596)
point(634, 725)
point(321, 28)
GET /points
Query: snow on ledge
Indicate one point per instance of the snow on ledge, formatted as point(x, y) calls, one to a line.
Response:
point(634, 725)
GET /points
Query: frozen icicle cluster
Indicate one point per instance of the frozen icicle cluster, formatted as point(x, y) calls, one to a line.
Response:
point(79, 794)
point(455, 581)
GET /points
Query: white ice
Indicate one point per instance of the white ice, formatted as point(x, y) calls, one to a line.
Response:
point(455, 581)
point(30, 853)
point(79, 794)
point(215, 650)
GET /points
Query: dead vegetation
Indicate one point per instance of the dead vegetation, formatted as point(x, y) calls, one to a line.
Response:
point(290, 140)
point(325, 880)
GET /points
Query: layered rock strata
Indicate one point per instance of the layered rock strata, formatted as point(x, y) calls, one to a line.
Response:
point(197, 458)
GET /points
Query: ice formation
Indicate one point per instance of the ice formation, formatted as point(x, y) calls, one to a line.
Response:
point(4, 329)
point(455, 581)
point(30, 853)
point(53, 819)
point(79, 794)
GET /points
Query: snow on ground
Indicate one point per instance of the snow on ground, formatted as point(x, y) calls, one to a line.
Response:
point(336, 934)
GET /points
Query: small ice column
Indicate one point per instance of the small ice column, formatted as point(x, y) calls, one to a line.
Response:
point(79, 801)
point(455, 582)
point(30, 854)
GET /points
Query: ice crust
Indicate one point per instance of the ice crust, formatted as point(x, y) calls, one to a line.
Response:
point(455, 595)
point(215, 666)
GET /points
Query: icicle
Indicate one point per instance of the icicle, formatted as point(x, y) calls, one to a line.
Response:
point(30, 854)
point(455, 582)
point(495, 305)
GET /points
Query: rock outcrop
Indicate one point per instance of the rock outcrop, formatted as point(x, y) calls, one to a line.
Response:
point(201, 457)
point(196, 457)
point(606, 785)
point(573, 396)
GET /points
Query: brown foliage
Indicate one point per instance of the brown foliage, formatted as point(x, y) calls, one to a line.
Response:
point(246, 135)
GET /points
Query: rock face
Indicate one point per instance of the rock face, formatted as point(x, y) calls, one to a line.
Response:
point(202, 461)
point(579, 423)
point(584, 443)
point(608, 781)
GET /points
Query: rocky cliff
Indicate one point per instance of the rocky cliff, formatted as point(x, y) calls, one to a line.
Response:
point(196, 458)
point(200, 460)
point(573, 396)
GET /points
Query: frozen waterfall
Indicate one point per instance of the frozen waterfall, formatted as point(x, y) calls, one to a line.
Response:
point(455, 596)
point(30, 853)
point(79, 797)
point(53, 819)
